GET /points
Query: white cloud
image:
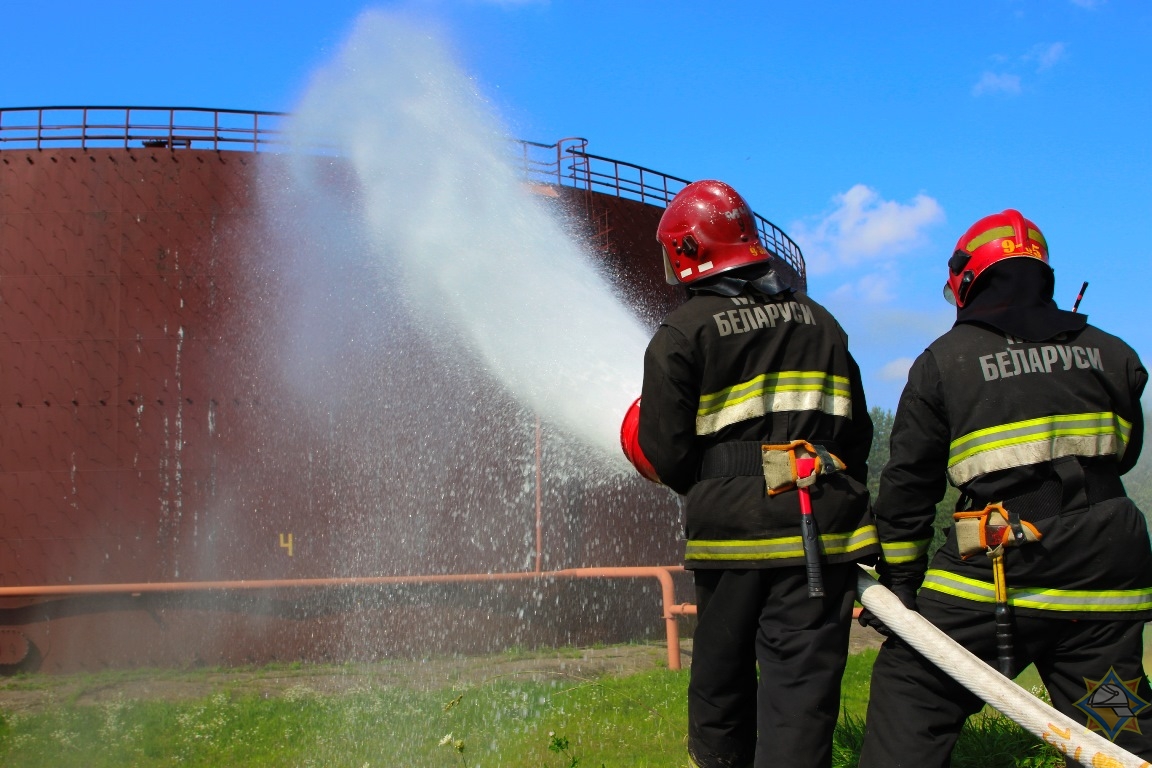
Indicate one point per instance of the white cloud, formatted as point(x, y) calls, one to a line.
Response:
point(895, 370)
point(884, 340)
point(1046, 55)
point(1041, 57)
point(870, 289)
point(863, 226)
point(990, 82)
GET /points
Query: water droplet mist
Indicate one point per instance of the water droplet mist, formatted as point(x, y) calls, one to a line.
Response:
point(431, 310)
point(455, 234)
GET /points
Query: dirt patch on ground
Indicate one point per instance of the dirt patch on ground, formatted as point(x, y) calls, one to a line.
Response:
point(864, 638)
point(37, 692)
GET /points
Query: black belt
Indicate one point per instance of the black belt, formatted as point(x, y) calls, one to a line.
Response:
point(740, 458)
point(1076, 485)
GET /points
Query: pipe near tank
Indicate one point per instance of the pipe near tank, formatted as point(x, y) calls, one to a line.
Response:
point(662, 573)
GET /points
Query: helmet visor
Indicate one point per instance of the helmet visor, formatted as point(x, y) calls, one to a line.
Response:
point(949, 296)
point(669, 275)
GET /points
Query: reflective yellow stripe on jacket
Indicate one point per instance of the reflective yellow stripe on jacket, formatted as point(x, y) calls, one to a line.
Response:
point(1036, 440)
point(781, 548)
point(1068, 600)
point(771, 393)
point(904, 551)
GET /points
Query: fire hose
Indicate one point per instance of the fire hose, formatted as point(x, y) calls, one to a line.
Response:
point(1030, 713)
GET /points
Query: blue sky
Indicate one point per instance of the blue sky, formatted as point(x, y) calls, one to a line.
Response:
point(873, 133)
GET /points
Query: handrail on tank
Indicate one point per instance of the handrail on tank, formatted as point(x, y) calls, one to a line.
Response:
point(635, 182)
point(565, 163)
point(662, 573)
point(128, 127)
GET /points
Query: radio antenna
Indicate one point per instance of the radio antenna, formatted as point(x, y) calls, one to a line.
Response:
point(1080, 296)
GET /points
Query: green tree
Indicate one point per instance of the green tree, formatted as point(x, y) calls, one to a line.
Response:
point(880, 453)
point(1138, 481)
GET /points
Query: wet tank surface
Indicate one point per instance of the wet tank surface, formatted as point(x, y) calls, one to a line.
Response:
point(153, 431)
point(143, 437)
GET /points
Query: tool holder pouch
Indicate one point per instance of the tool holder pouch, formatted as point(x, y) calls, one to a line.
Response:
point(779, 460)
point(979, 531)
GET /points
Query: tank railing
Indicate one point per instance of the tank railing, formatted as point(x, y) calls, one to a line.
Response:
point(635, 182)
point(133, 127)
point(570, 156)
point(564, 163)
point(626, 180)
point(671, 610)
point(539, 162)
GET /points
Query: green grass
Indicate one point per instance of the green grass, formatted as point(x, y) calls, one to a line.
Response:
point(854, 686)
point(562, 722)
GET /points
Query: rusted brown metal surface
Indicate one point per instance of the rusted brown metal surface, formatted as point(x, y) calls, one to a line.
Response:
point(151, 434)
point(144, 437)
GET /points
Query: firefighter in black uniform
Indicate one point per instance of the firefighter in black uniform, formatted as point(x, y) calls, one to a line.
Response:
point(744, 383)
point(1034, 415)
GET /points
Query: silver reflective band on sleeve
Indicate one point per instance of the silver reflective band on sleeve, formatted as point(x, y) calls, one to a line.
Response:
point(772, 393)
point(785, 547)
point(904, 551)
point(1034, 441)
point(1068, 600)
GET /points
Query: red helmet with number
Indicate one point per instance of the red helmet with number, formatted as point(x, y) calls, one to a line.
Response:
point(1006, 235)
point(707, 229)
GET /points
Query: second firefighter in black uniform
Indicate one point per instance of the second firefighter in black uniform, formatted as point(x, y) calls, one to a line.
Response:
point(747, 362)
point(1034, 415)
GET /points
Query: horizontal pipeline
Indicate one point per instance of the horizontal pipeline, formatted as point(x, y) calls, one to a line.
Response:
point(663, 574)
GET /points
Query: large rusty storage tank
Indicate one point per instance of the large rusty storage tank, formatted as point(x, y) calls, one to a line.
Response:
point(166, 499)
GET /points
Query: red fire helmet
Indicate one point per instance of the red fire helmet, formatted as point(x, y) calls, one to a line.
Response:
point(1005, 235)
point(707, 229)
point(630, 442)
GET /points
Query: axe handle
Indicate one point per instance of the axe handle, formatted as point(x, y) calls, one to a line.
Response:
point(1005, 644)
point(1005, 647)
point(809, 534)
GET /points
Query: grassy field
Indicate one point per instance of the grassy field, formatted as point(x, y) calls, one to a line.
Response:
point(536, 720)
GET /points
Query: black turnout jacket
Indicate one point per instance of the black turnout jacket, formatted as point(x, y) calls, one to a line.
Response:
point(1045, 427)
point(752, 369)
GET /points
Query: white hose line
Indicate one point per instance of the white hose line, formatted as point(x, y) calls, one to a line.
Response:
point(1032, 714)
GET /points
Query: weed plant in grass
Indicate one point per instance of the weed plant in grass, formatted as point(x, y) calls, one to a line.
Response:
point(510, 721)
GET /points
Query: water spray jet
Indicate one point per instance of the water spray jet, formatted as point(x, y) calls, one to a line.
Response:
point(479, 262)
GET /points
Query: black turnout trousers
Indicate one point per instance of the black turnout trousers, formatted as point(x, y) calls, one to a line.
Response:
point(915, 711)
point(764, 617)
